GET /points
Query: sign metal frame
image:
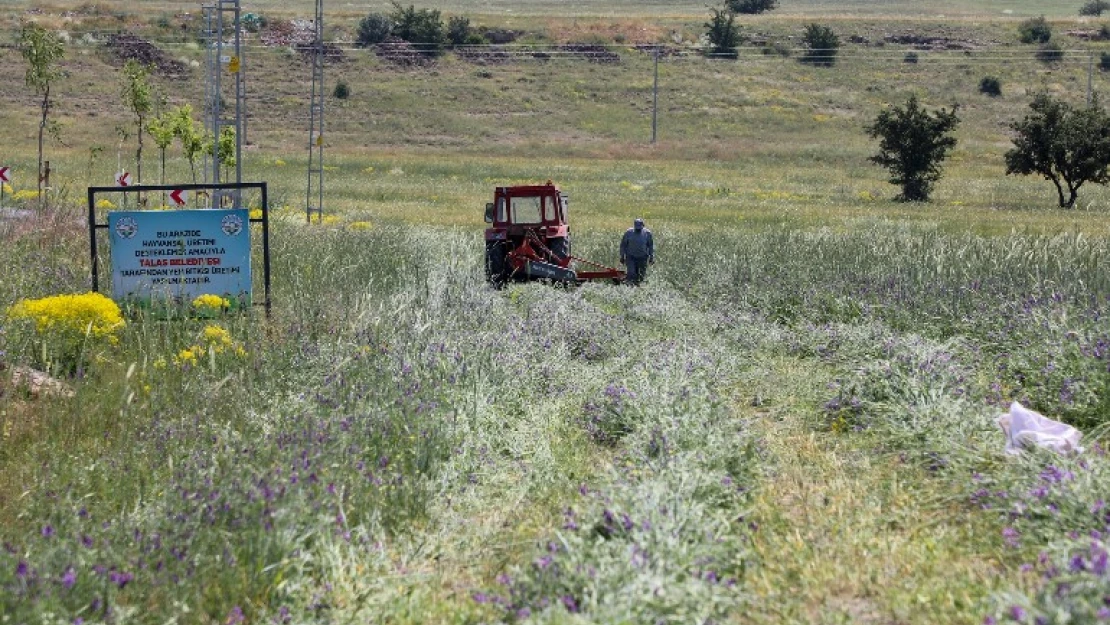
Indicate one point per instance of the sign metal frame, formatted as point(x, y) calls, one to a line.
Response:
point(95, 225)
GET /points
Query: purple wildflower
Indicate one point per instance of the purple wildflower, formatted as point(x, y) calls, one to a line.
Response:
point(21, 569)
point(1011, 536)
point(69, 578)
point(1017, 613)
point(120, 578)
point(235, 617)
point(570, 604)
point(47, 530)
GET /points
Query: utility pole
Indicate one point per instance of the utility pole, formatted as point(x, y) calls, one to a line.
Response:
point(655, 100)
point(316, 125)
point(1090, 78)
point(219, 59)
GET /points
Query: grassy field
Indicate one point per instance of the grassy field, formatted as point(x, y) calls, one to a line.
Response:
point(792, 421)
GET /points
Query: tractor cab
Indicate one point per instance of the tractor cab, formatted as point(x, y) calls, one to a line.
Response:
point(538, 208)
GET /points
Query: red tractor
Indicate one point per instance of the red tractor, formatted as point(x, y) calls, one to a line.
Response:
point(529, 238)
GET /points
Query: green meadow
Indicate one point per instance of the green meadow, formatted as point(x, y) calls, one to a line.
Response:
point(792, 421)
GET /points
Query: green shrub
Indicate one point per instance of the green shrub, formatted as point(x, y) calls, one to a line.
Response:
point(342, 91)
point(1034, 30)
point(751, 7)
point(1050, 52)
point(423, 28)
point(991, 86)
point(373, 29)
point(723, 33)
point(911, 58)
point(1104, 61)
point(821, 45)
point(458, 30)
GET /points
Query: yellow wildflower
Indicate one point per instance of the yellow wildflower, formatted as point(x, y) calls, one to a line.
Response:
point(279, 163)
point(210, 304)
point(8, 189)
point(106, 204)
point(256, 213)
point(217, 338)
point(359, 225)
point(188, 356)
point(25, 194)
point(368, 170)
point(72, 316)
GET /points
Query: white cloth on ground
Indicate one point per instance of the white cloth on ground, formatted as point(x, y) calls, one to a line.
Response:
point(1024, 427)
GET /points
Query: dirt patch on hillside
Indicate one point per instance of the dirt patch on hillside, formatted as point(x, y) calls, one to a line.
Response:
point(299, 35)
point(931, 42)
point(130, 47)
point(403, 53)
point(587, 51)
point(482, 55)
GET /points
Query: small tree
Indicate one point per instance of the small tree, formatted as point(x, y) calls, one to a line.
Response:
point(423, 28)
point(913, 145)
point(374, 29)
point(1035, 30)
point(751, 7)
point(723, 33)
point(42, 50)
point(1094, 8)
point(192, 140)
point(138, 95)
point(1067, 146)
point(821, 44)
point(223, 149)
point(162, 130)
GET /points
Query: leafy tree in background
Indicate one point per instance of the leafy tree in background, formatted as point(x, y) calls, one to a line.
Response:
point(821, 44)
point(423, 28)
point(723, 33)
point(913, 144)
point(751, 7)
point(373, 29)
point(42, 50)
point(1094, 8)
point(138, 96)
point(1065, 145)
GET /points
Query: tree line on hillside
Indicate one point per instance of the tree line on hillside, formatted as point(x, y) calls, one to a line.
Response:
point(1069, 146)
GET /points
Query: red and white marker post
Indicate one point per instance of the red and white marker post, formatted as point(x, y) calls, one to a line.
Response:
point(179, 197)
point(123, 179)
point(5, 177)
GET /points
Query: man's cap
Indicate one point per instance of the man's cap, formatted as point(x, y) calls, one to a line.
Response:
point(639, 223)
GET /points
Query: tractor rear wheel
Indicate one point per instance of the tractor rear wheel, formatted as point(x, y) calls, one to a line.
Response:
point(496, 272)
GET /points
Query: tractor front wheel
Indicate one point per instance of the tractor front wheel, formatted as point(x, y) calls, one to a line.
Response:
point(496, 272)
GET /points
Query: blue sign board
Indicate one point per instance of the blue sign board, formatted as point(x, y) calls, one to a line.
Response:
point(174, 256)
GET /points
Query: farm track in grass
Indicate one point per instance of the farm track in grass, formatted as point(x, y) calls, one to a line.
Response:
point(850, 532)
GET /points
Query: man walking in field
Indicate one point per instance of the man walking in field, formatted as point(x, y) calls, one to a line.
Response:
point(637, 252)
